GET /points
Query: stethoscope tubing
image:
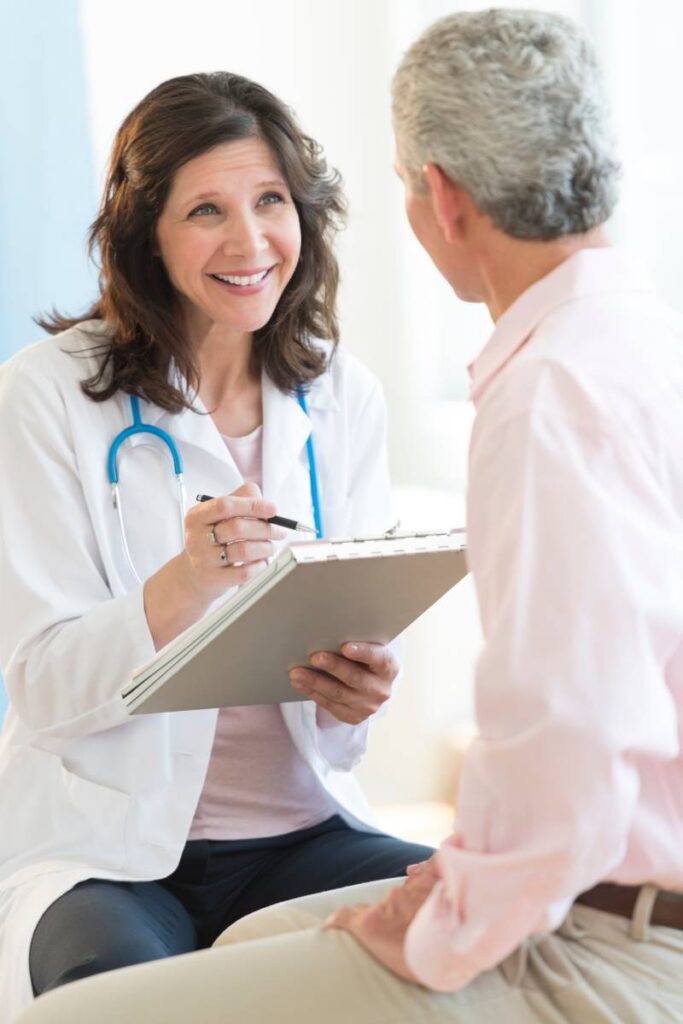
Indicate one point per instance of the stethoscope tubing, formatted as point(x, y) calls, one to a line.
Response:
point(312, 472)
point(138, 427)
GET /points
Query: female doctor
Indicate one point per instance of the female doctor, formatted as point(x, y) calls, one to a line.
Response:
point(126, 840)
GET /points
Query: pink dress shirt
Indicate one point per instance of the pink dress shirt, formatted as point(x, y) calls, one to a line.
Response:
point(575, 527)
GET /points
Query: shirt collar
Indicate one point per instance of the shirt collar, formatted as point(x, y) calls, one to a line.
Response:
point(584, 273)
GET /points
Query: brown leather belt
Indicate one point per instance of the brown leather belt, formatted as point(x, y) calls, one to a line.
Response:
point(621, 900)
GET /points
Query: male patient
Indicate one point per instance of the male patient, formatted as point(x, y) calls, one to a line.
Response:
point(558, 898)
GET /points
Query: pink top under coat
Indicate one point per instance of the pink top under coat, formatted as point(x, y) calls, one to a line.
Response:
point(257, 783)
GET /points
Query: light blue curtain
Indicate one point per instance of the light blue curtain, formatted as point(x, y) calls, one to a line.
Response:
point(47, 188)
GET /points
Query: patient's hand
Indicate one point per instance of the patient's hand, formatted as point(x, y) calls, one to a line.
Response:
point(381, 927)
point(352, 685)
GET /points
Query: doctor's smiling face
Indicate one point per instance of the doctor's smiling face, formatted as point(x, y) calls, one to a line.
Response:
point(218, 217)
point(229, 236)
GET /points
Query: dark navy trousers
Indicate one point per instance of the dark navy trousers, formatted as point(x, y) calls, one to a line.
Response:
point(100, 925)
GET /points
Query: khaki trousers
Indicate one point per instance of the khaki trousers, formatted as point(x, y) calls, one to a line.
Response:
point(276, 965)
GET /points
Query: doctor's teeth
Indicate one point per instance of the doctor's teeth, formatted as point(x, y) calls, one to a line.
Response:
point(237, 279)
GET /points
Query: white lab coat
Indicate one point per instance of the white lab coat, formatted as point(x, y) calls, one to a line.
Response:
point(85, 790)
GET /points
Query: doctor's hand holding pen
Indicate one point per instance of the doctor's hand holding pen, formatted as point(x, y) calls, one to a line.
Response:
point(228, 541)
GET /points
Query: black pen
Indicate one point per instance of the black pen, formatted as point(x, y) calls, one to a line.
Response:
point(289, 524)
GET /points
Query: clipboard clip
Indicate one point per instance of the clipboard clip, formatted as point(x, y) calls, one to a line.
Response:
point(395, 533)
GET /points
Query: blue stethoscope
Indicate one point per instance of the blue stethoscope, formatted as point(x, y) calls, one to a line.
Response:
point(139, 427)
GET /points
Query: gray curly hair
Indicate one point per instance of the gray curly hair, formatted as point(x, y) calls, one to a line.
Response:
point(510, 105)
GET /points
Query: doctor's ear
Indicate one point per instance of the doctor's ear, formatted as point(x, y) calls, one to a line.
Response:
point(449, 201)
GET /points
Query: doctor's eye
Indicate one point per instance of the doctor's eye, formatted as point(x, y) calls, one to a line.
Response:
point(271, 198)
point(203, 210)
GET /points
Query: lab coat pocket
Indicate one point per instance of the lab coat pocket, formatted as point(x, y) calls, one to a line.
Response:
point(57, 815)
point(97, 817)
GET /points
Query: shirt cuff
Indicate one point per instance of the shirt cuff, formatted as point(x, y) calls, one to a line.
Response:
point(340, 744)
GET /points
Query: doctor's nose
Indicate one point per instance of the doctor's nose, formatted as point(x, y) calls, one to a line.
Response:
point(244, 237)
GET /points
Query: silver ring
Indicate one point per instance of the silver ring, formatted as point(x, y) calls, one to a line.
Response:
point(224, 555)
point(212, 536)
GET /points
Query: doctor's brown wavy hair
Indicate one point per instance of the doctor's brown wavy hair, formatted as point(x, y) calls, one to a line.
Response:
point(179, 120)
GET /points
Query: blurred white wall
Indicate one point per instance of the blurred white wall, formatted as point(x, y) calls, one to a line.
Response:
point(332, 61)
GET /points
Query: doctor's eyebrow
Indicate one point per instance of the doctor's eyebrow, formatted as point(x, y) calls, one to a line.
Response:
point(272, 183)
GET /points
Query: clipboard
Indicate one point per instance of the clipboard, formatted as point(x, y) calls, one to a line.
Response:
point(313, 596)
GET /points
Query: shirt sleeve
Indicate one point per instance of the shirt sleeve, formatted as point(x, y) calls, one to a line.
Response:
point(575, 568)
point(67, 644)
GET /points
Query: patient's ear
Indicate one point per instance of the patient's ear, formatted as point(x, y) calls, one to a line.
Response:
point(449, 201)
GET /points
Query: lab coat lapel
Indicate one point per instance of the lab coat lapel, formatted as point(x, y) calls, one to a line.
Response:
point(195, 427)
point(286, 428)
